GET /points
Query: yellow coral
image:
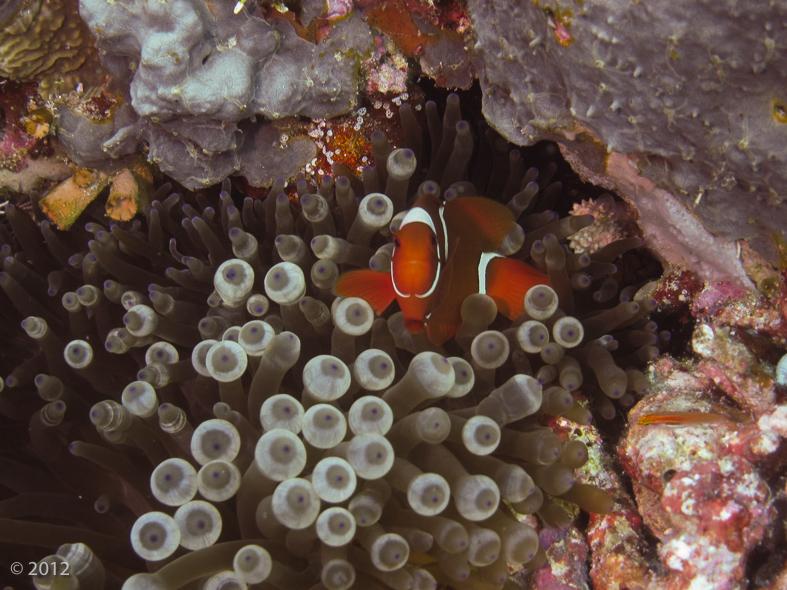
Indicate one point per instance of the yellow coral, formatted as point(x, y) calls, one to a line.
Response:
point(64, 203)
point(46, 40)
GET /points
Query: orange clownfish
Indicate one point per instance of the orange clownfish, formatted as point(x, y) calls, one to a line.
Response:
point(442, 253)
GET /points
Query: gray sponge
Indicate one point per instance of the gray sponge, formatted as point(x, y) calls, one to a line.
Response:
point(196, 73)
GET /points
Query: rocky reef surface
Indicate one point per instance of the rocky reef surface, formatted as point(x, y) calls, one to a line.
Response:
point(690, 97)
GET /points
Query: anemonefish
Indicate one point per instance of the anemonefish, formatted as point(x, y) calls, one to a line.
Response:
point(442, 253)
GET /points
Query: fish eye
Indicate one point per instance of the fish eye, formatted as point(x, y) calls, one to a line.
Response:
point(433, 239)
point(397, 244)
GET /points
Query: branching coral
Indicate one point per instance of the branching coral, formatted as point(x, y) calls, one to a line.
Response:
point(201, 351)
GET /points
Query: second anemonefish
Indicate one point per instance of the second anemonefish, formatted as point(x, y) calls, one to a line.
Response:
point(442, 253)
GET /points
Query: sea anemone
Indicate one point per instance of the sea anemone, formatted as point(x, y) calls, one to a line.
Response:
point(209, 410)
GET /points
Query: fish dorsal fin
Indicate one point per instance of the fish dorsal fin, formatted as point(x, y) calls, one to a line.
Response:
point(507, 282)
point(482, 220)
point(375, 287)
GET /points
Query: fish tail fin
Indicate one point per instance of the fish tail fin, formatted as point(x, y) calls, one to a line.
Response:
point(507, 282)
point(445, 319)
point(375, 287)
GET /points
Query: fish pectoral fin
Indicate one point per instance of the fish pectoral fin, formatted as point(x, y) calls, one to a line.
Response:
point(440, 332)
point(507, 282)
point(414, 326)
point(485, 221)
point(375, 287)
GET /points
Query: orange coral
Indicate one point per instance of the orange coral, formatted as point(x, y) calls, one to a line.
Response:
point(396, 20)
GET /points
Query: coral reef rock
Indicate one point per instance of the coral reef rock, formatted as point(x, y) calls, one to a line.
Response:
point(693, 94)
point(697, 484)
point(705, 447)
